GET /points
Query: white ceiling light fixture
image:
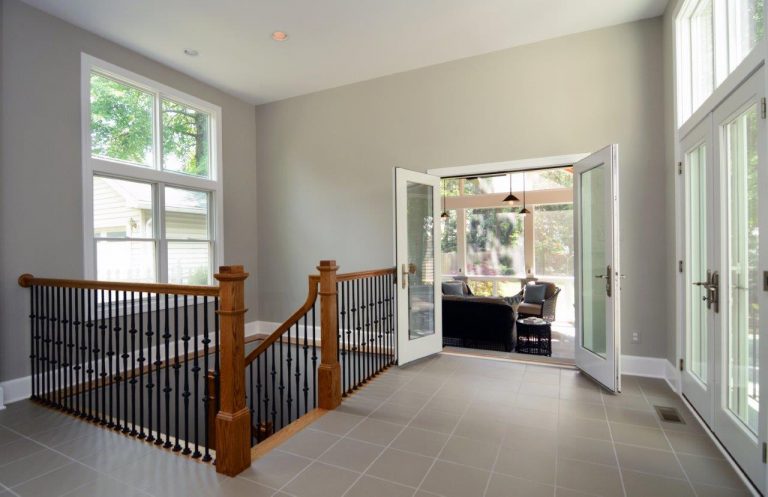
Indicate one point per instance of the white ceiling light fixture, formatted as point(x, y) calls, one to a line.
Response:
point(191, 52)
point(279, 36)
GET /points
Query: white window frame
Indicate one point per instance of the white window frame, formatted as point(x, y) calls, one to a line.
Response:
point(92, 166)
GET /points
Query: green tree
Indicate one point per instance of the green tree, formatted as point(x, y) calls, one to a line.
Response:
point(121, 128)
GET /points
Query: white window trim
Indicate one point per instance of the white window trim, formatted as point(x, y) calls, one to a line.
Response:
point(92, 166)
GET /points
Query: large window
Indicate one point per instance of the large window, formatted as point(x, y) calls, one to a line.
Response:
point(151, 180)
point(714, 36)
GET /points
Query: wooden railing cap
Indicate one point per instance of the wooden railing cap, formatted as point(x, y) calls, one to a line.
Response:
point(328, 265)
point(25, 280)
point(231, 273)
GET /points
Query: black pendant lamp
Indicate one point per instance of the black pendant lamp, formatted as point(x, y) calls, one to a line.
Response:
point(524, 210)
point(444, 215)
point(510, 199)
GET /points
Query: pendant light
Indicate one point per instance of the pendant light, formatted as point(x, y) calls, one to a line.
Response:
point(524, 210)
point(510, 199)
point(444, 215)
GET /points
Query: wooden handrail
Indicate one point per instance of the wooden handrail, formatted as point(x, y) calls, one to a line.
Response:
point(275, 335)
point(27, 280)
point(366, 274)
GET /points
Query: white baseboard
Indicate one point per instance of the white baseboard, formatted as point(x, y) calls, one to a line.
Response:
point(21, 388)
point(651, 367)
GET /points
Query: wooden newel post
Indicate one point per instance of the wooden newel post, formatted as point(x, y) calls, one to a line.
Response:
point(329, 371)
point(233, 421)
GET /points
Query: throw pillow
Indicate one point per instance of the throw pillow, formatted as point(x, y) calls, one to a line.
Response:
point(453, 288)
point(534, 294)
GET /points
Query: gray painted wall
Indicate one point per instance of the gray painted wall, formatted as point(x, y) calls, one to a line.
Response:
point(40, 162)
point(325, 160)
point(670, 132)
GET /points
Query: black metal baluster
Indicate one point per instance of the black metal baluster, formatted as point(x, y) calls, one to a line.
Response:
point(83, 353)
point(382, 319)
point(306, 367)
point(150, 383)
point(273, 374)
point(57, 349)
point(158, 371)
point(297, 374)
point(196, 376)
point(141, 361)
point(282, 385)
point(32, 355)
point(257, 402)
point(393, 317)
point(92, 351)
point(369, 326)
point(206, 391)
point(167, 388)
point(185, 395)
point(176, 377)
point(72, 352)
point(359, 328)
point(132, 332)
point(118, 378)
point(60, 347)
point(102, 333)
point(348, 331)
point(289, 403)
point(314, 358)
point(76, 362)
point(251, 401)
point(342, 336)
point(125, 356)
point(266, 388)
point(35, 291)
point(110, 384)
point(66, 331)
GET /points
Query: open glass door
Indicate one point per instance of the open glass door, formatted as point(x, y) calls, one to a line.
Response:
point(596, 213)
point(417, 240)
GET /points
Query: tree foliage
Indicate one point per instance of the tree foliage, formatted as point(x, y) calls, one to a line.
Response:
point(122, 127)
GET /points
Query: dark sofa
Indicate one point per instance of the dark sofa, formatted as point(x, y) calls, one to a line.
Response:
point(480, 322)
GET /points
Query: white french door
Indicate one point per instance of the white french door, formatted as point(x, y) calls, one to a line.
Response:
point(418, 256)
point(698, 375)
point(725, 274)
point(596, 226)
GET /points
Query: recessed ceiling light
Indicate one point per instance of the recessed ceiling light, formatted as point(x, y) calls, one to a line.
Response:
point(279, 36)
point(191, 52)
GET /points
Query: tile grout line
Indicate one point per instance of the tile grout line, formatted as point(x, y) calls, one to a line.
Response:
point(672, 448)
point(613, 446)
point(53, 449)
point(341, 437)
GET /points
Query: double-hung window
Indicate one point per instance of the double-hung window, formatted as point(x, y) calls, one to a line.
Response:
point(151, 179)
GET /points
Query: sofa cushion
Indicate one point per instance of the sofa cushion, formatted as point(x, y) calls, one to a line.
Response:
point(535, 293)
point(530, 309)
point(454, 288)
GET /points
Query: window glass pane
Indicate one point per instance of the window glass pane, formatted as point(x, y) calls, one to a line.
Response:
point(421, 240)
point(121, 121)
point(481, 288)
point(745, 28)
point(702, 54)
point(186, 139)
point(593, 260)
point(449, 244)
point(494, 242)
point(121, 208)
point(186, 214)
point(553, 240)
point(449, 187)
point(695, 161)
point(744, 282)
point(189, 263)
point(125, 260)
point(549, 179)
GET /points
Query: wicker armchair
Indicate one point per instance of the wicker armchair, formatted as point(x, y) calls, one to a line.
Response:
point(545, 310)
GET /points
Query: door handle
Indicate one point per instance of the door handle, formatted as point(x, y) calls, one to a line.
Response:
point(607, 278)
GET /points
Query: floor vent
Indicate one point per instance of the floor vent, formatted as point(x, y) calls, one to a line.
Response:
point(669, 414)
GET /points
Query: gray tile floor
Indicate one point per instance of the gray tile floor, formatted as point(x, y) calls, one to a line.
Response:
point(450, 426)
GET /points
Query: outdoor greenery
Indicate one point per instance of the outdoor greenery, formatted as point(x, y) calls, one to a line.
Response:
point(494, 239)
point(553, 239)
point(122, 126)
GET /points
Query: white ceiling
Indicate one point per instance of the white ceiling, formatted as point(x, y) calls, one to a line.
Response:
point(331, 42)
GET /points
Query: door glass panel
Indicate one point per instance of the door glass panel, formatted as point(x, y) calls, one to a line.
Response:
point(593, 259)
point(421, 263)
point(742, 262)
point(697, 262)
